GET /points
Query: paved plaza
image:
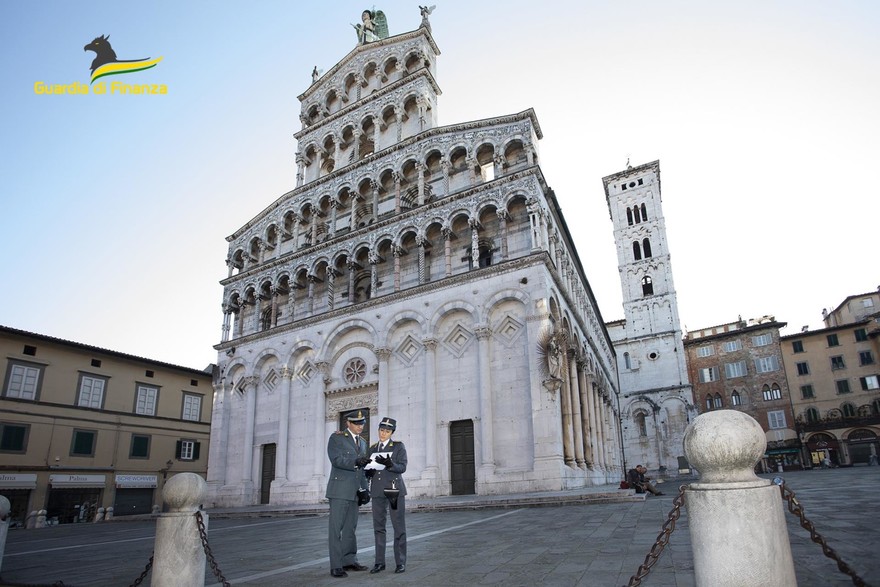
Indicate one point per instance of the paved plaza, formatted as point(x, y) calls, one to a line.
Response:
point(560, 540)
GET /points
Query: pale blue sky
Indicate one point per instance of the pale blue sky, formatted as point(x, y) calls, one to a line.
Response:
point(764, 116)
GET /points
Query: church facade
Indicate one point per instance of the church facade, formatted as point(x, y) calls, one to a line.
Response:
point(419, 272)
point(656, 402)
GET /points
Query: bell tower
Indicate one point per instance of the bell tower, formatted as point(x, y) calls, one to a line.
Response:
point(656, 396)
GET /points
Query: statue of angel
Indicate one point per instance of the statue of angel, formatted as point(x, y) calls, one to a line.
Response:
point(425, 11)
point(374, 26)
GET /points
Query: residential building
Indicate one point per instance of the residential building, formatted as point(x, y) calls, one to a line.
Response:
point(657, 402)
point(835, 378)
point(83, 428)
point(416, 271)
point(739, 366)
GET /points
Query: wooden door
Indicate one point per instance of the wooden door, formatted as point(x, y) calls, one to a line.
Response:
point(461, 448)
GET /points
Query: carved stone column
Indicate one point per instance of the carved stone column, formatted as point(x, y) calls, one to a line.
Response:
point(374, 275)
point(313, 226)
point(485, 387)
point(220, 423)
point(398, 251)
point(321, 418)
point(421, 241)
point(585, 414)
point(472, 169)
point(357, 136)
point(396, 177)
point(334, 207)
point(502, 220)
point(567, 430)
point(258, 309)
point(239, 318)
point(352, 270)
point(447, 167)
point(274, 294)
point(300, 169)
point(331, 288)
point(420, 171)
point(447, 249)
point(475, 242)
point(227, 315)
point(375, 188)
point(576, 412)
point(283, 426)
point(295, 237)
point(498, 164)
point(310, 300)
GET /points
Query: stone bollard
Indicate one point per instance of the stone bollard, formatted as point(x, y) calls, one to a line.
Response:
point(4, 526)
point(178, 555)
point(30, 521)
point(99, 515)
point(737, 521)
point(41, 520)
point(109, 514)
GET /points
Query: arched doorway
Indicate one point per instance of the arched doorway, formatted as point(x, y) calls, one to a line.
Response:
point(862, 443)
point(823, 445)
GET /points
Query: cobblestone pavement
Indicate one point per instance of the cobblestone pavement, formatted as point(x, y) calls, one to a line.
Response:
point(596, 544)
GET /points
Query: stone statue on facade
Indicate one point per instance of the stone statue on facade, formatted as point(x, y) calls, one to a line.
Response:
point(373, 27)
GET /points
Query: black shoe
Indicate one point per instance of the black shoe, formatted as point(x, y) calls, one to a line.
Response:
point(377, 568)
point(355, 567)
point(338, 573)
point(400, 568)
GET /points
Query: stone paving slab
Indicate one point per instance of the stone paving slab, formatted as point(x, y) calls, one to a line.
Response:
point(596, 544)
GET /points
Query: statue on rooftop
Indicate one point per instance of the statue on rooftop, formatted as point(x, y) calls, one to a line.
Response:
point(425, 12)
point(373, 27)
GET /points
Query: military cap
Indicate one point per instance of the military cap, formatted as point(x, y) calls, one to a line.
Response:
point(390, 423)
point(356, 417)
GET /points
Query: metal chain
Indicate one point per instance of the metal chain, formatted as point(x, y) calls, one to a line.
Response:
point(795, 508)
point(662, 540)
point(144, 574)
point(204, 536)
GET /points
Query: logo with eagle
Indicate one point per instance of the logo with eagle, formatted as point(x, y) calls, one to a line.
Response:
point(106, 63)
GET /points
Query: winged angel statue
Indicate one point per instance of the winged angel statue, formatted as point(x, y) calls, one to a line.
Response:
point(374, 26)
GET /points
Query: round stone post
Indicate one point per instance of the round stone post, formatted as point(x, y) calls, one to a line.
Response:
point(178, 556)
point(738, 530)
point(4, 526)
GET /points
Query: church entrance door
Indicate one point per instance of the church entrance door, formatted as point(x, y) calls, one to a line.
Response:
point(461, 443)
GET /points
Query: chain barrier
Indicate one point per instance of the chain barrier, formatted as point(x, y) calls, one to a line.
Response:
point(204, 536)
point(662, 540)
point(795, 508)
point(144, 574)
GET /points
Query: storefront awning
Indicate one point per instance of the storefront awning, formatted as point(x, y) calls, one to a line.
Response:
point(781, 451)
point(18, 480)
point(136, 481)
point(60, 481)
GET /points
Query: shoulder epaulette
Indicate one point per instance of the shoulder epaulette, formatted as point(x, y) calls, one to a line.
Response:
point(340, 432)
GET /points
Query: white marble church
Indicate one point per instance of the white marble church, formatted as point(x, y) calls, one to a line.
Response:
point(416, 271)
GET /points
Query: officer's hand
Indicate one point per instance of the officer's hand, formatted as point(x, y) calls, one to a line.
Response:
point(363, 497)
point(369, 473)
point(383, 460)
point(362, 460)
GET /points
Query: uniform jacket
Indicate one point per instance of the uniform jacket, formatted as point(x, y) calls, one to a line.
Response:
point(382, 479)
point(345, 477)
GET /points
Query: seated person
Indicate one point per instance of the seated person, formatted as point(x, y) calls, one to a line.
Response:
point(638, 481)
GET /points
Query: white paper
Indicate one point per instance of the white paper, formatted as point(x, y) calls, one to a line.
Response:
point(373, 464)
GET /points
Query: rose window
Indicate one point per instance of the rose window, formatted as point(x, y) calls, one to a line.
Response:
point(355, 371)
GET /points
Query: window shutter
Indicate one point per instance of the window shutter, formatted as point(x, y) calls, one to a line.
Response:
point(178, 449)
point(196, 446)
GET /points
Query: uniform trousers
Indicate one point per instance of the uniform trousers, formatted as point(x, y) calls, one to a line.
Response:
point(343, 522)
point(381, 508)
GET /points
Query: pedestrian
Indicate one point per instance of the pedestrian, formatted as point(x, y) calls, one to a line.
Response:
point(347, 489)
point(639, 481)
point(387, 491)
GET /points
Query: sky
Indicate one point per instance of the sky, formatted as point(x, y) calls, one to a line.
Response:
point(764, 116)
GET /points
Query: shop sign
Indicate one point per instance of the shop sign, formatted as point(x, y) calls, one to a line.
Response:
point(77, 480)
point(18, 480)
point(136, 481)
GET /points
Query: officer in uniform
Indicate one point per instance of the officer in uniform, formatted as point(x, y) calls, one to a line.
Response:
point(347, 489)
point(387, 491)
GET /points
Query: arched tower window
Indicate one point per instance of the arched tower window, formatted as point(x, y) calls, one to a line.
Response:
point(735, 399)
point(719, 403)
point(638, 215)
point(629, 216)
point(637, 251)
point(646, 246)
point(647, 286)
point(849, 411)
point(626, 361)
point(811, 415)
point(644, 213)
point(708, 401)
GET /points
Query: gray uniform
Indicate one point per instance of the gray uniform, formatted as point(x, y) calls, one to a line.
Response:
point(380, 481)
point(342, 488)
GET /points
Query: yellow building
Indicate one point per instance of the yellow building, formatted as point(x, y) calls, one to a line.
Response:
point(83, 428)
point(834, 377)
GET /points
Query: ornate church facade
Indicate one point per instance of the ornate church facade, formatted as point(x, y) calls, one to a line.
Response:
point(656, 401)
point(416, 271)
